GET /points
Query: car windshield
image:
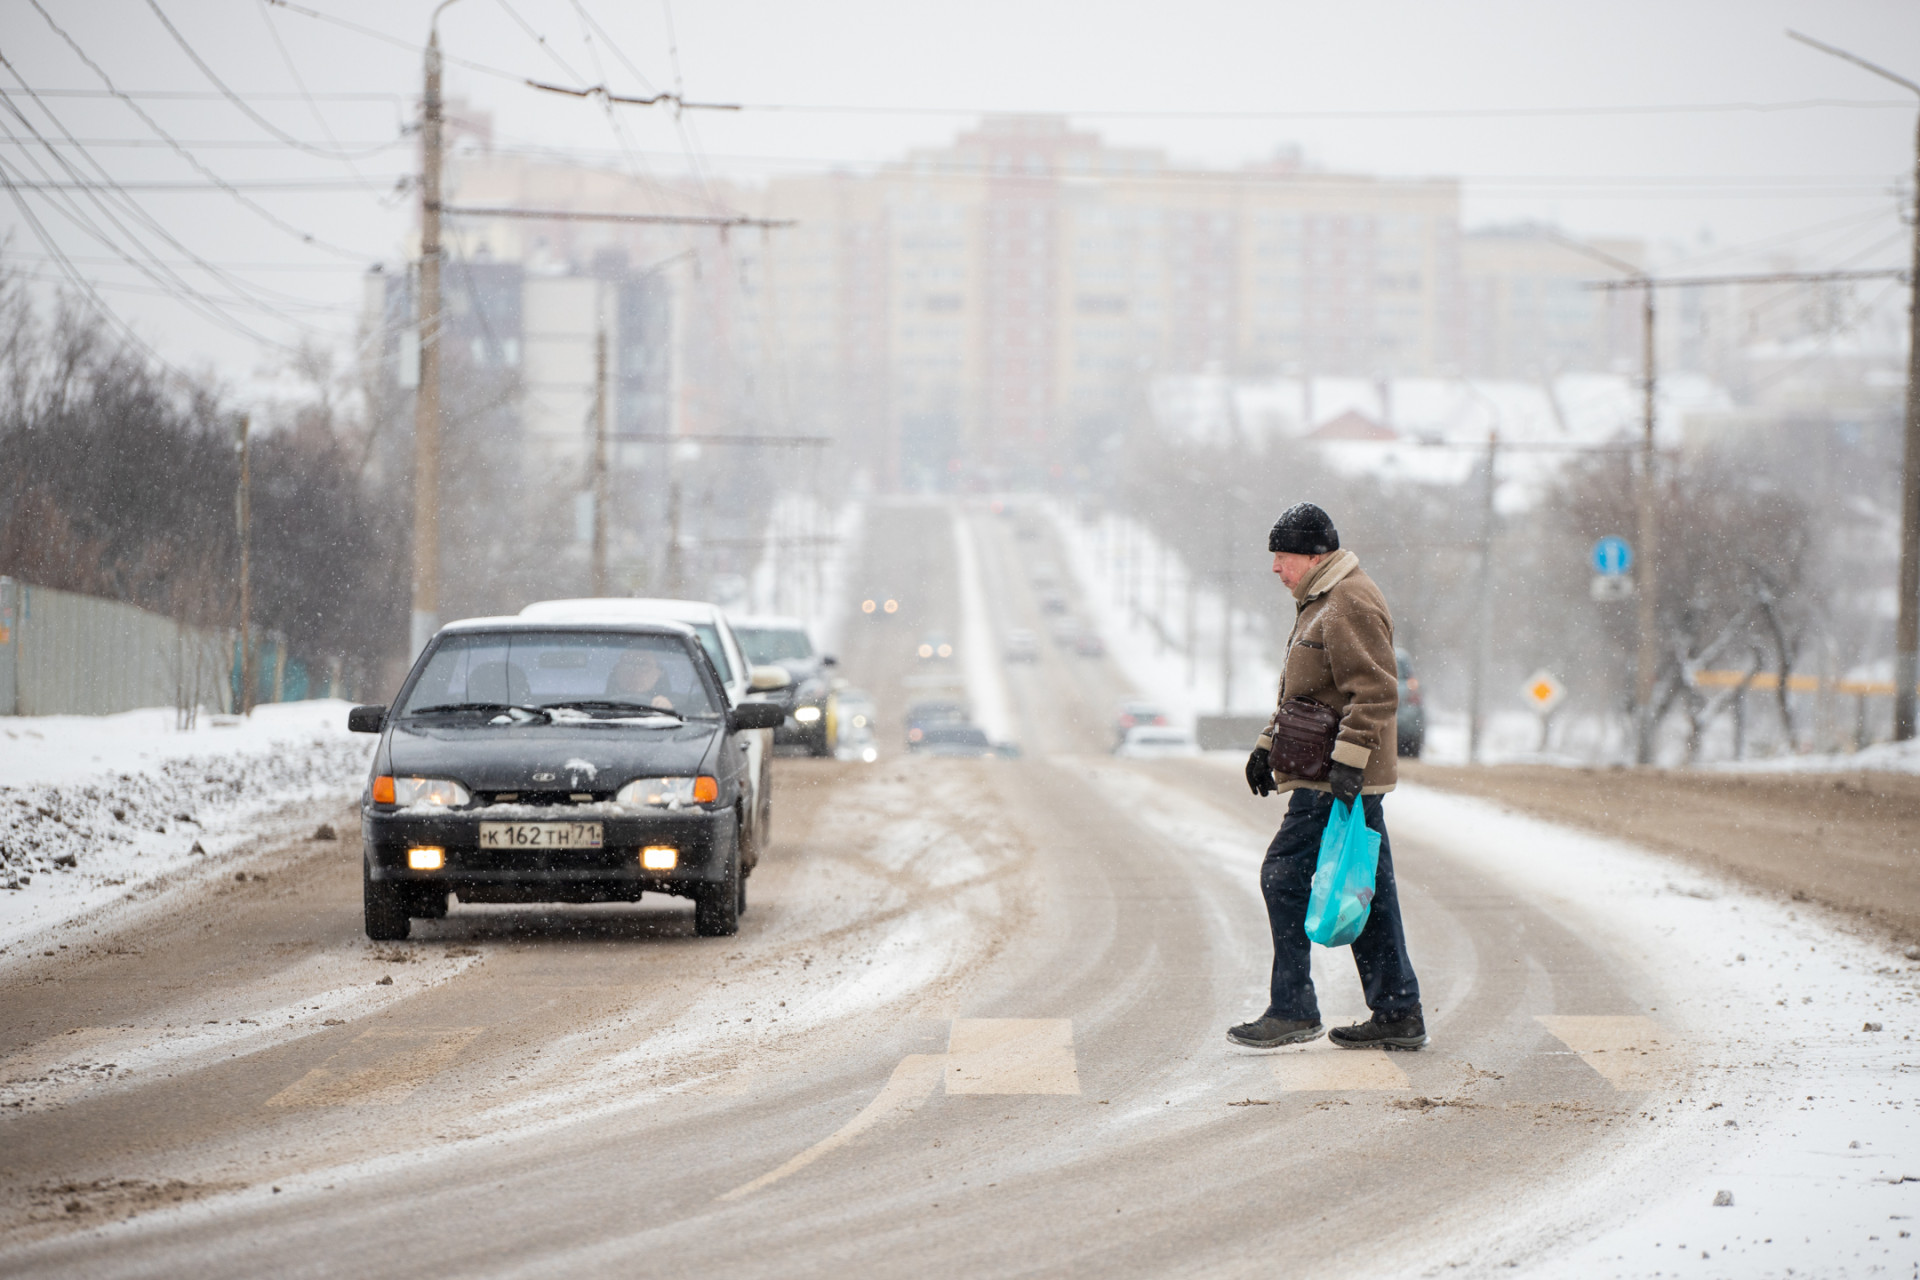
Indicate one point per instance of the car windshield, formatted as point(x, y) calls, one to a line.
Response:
point(601, 674)
point(773, 644)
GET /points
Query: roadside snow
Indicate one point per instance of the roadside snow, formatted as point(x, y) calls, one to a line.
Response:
point(979, 653)
point(93, 806)
point(1885, 757)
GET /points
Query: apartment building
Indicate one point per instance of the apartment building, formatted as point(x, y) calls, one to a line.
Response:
point(994, 310)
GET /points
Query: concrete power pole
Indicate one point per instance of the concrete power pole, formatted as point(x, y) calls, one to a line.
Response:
point(1646, 555)
point(1483, 607)
point(243, 515)
point(600, 399)
point(1906, 638)
point(426, 409)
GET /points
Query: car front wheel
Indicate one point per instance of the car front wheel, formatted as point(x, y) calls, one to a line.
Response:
point(716, 907)
point(386, 908)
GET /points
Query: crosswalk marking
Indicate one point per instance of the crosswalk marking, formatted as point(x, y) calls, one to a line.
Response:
point(1011, 1055)
point(1629, 1051)
point(369, 1073)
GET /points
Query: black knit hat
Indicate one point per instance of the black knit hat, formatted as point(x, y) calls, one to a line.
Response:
point(1305, 530)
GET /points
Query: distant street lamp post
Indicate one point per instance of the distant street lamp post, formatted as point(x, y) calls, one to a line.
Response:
point(1906, 638)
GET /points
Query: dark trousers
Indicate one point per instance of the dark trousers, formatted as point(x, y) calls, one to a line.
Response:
point(1286, 880)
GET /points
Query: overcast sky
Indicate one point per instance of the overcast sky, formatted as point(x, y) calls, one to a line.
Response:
point(1538, 106)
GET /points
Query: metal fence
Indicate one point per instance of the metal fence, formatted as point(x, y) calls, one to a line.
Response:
point(68, 654)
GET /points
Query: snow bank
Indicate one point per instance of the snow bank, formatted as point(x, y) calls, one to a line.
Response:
point(92, 805)
point(1885, 757)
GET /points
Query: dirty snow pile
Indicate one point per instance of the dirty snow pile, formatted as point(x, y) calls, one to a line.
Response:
point(91, 804)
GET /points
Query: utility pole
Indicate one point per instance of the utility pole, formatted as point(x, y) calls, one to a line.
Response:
point(426, 407)
point(1647, 533)
point(243, 514)
point(599, 469)
point(1476, 719)
point(1906, 636)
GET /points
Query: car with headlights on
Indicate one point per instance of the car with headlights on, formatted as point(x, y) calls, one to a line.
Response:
point(528, 760)
point(784, 643)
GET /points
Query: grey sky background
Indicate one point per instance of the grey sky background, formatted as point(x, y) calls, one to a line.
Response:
point(1821, 184)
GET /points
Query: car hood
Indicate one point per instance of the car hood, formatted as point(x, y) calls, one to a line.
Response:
point(577, 757)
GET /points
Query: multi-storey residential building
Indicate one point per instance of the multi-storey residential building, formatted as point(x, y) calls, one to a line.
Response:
point(995, 309)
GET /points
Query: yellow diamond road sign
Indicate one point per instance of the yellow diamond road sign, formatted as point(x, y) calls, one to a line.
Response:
point(1543, 692)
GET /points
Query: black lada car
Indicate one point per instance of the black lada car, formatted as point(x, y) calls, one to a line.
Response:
point(529, 761)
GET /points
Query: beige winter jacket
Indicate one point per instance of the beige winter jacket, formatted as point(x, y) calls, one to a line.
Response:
point(1341, 655)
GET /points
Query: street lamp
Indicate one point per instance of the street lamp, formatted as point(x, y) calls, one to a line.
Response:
point(1906, 636)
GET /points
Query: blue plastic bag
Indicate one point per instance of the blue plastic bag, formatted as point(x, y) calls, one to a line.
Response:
point(1342, 896)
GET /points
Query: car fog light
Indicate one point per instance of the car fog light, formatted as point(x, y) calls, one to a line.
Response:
point(426, 858)
point(869, 755)
point(807, 715)
point(926, 651)
point(659, 857)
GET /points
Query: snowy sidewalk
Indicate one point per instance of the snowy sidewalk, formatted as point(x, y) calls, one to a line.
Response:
point(91, 806)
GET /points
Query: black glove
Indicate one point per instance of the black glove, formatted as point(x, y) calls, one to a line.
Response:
point(1344, 781)
point(1260, 772)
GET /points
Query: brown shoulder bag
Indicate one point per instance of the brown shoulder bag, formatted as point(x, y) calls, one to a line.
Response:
point(1303, 733)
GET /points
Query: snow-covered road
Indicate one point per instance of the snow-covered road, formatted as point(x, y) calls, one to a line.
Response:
point(972, 1025)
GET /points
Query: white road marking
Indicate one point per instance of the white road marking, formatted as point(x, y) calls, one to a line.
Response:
point(1628, 1051)
point(911, 1084)
point(1011, 1055)
point(388, 1080)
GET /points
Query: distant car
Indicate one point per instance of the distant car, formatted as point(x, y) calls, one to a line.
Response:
point(934, 647)
point(1133, 715)
point(1066, 631)
point(954, 739)
point(784, 643)
point(1156, 742)
point(854, 721)
point(1053, 602)
point(924, 715)
point(1022, 646)
point(1089, 645)
point(1411, 723)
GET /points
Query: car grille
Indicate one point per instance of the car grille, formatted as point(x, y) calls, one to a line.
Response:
point(544, 799)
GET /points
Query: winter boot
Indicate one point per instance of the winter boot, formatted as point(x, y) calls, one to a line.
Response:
point(1408, 1031)
point(1271, 1033)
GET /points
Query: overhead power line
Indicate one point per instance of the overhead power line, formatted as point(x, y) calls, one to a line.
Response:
point(254, 206)
point(605, 94)
point(1084, 113)
point(574, 215)
point(245, 107)
point(1775, 277)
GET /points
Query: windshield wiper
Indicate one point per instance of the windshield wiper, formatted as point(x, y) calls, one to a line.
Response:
point(537, 712)
point(609, 704)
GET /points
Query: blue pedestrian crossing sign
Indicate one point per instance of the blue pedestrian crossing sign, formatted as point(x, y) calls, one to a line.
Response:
point(1612, 557)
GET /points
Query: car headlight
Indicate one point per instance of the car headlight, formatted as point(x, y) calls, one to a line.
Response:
point(442, 793)
point(669, 793)
point(806, 715)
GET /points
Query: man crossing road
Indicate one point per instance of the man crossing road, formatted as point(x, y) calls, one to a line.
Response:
point(1339, 658)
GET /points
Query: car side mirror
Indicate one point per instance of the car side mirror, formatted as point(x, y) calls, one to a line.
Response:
point(768, 678)
point(828, 660)
point(366, 719)
point(756, 715)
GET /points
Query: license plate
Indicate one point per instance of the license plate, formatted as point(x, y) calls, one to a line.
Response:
point(540, 835)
